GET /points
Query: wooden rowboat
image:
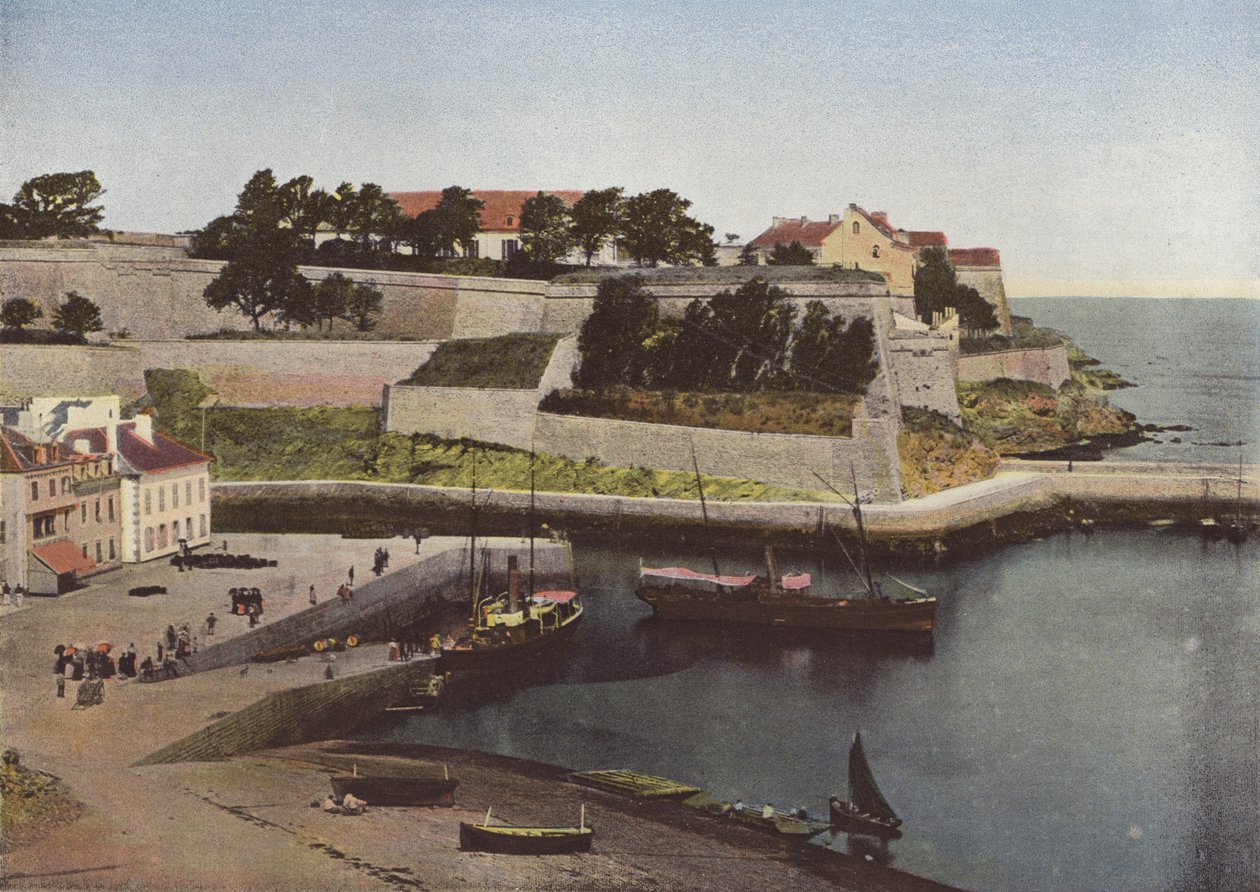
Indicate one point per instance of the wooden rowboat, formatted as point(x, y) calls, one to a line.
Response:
point(385, 790)
point(506, 839)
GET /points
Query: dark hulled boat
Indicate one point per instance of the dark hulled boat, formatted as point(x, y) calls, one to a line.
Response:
point(866, 811)
point(384, 790)
point(506, 839)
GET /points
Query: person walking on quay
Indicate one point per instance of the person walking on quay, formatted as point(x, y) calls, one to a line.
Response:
point(5, 593)
point(385, 558)
point(312, 595)
point(171, 637)
point(210, 621)
point(352, 574)
point(60, 672)
point(18, 594)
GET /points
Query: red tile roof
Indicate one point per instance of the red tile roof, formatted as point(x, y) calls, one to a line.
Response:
point(62, 557)
point(98, 444)
point(502, 205)
point(810, 233)
point(975, 257)
point(927, 239)
point(165, 453)
point(18, 452)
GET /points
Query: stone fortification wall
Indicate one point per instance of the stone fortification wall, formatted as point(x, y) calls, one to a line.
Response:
point(923, 368)
point(492, 415)
point(243, 373)
point(788, 459)
point(1045, 365)
point(988, 281)
point(299, 715)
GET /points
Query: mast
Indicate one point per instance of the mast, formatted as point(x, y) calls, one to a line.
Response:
point(472, 545)
point(861, 528)
point(1238, 497)
point(529, 595)
point(704, 508)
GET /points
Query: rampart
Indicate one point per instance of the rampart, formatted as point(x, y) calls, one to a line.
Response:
point(1044, 365)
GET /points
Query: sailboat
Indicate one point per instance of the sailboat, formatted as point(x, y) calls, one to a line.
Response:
point(784, 600)
point(866, 811)
point(516, 623)
point(1236, 530)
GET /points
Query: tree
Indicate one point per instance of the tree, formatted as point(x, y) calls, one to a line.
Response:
point(374, 214)
point(342, 208)
point(794, 254)
point(612, 342)
point(56, 204)
point(456, 219)
point(331, 298)
point(656, 229)
point(215, 241)
point(596, 219)
point(362, 304)
point(262, 277)
point(752, 327)
point(304, 208)
point(935, 283)
point(681, 351)
point(975, 314)
point(78, 315)
point(421, 233)
point(260, 202)
point(748, 256)
point(546, 228)
point(18, 312)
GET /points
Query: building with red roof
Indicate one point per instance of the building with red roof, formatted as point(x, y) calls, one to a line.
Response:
point(500, 218)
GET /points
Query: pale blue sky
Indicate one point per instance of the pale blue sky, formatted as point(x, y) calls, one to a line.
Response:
point(1103, 147)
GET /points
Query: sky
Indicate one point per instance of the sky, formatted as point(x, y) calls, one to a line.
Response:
point(1105, 148)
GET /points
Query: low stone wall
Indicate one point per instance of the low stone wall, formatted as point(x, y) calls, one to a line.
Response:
point(1044, 365)
point(788, 459)
point(300, 715)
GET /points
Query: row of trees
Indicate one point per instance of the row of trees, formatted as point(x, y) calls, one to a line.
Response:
point(54, 204)
point(744, 340)
point(74, 318)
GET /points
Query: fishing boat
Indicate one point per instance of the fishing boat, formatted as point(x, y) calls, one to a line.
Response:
point(405, 790)
point(518, 623)
point(866, 811)
point(508, 839)
point(785, 600)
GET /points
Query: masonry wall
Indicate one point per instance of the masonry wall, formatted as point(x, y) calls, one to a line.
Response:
point(988, 281)
point(1047, 365)
point(788, 459)
point(923, 368)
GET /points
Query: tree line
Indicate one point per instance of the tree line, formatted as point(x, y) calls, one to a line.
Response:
point(73, 319)
point(54, 204)
point(744, 340)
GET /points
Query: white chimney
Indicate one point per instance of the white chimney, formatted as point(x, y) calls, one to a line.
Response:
point(833, 218)
point(144, 428)
point(777, 221)
point(82, 446)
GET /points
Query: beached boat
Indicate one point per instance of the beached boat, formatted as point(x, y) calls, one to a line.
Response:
point(779, 600)
point(506, 839)
point(866, 811)
point(383, 790)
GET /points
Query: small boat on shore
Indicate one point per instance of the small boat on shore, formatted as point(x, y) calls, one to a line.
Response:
point(866, 811)
point(509, 839)
point(397, 790)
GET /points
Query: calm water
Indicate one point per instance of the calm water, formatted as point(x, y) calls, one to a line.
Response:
point(1196, 362)
point(1068, 731)
point(1088, 719)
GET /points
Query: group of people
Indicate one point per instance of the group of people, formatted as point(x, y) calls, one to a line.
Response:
point(350, 804)
point(380, 562)
point(10, 597)
point(403, 649)
point(77, 663)
point(247, 602)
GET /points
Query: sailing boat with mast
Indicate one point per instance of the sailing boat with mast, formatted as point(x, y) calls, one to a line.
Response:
point(514, 624)
point(784, 600)
point(866, 811)
point(1236, 530)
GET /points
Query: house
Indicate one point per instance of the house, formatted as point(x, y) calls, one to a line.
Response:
point(500, 217)
point(821, 238)
point(60, 513)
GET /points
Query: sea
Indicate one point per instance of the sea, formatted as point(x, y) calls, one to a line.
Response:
point(1086, 718)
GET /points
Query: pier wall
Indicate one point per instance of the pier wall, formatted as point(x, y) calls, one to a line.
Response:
point(298, 715)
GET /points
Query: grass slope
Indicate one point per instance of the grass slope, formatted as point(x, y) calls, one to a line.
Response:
point(514, 362)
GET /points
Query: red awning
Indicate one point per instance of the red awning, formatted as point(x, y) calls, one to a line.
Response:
point(62, 557)
point(555, 597)
point(800, 580)
point(693, 576)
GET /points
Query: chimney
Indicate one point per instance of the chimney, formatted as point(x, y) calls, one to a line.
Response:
point(833, 218)
point(777, 221)
point(853, 205)
point(804, 220)
point(514, 585)
point(144, 427)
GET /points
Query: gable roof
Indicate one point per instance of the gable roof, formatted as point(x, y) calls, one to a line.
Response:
point(501, 205)
point(975, 257)
point(62, 556)
point(18, 452)
point(810, 233)
point(923, 239)
point(165, 453)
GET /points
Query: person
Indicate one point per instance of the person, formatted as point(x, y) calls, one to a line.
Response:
point(448, 642)
point(395, 655)
point(252, 611)
point(178, 561)
point(352, 574)
point(353, 805)
point(171, 637)
point(168, 666)
point(210, 621)
point(60, 672)
point(416, 536)
point(330, 805)
point(146, 669)
point(385, 558)
point(236, 601)
point(18, 594)
point(312, 595)
point(5, 594)
point(435, 643)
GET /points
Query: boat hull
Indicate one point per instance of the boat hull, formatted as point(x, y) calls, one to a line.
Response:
point(846, 819)
point(455, 660)
point(799, 612)
point(406, 791)
point(525, 840)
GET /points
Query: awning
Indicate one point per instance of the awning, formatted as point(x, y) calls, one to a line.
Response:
point(800, 580)
point(555, 597)
point(62, 557)
point(693, 576)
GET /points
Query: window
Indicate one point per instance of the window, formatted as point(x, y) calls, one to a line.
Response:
point(113, 555)
point(201, 489)
point(65, 485)
point(111, 508)
point(856, 227)
point(161, 498)
point(203, 527)
point(3, 530)
point(34, 490)
point(148, 501)
point(511, 247)
point(83, 513)
point(52, 488)
point(472, 250)
point(188, 527)
point(162, 534)
point(175, 531)
point(510, 219)
point(187, 492)
point(85, 550)
point(148, 539)
point(98, 510)
point(874, 250)
point(174, 495)
point(99, 557)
